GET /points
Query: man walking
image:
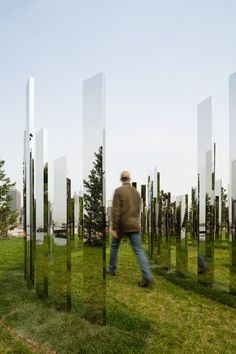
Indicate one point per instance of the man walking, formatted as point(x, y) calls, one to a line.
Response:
point(125, 221)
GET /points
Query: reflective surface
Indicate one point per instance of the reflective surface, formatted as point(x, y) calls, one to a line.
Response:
point(143, 214)
point(94, 218)
point(62, 236)
point(206, 188)
point(218, 213)
point(42, 229)
point(181, 234)
point(30, 239)
point(62, 272)
point(164, 230)
point(232, 140)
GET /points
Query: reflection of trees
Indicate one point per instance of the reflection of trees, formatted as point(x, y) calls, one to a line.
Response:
point(193, 214)
point(93, 202)
point(8, 217)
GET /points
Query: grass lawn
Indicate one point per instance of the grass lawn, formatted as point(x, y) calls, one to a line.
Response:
point(162, 319)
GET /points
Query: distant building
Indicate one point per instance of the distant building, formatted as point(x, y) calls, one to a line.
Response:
point(15, 195)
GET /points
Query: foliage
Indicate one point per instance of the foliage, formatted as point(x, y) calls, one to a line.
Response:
point(93, 202)
point(7, 216)
point(225, 209)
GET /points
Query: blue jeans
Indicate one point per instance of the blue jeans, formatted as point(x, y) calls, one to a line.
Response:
point(135, 241)
point(201, 262)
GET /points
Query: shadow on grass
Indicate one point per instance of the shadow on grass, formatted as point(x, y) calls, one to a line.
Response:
point(190, 282)
point(126, 321)
point(37, 320)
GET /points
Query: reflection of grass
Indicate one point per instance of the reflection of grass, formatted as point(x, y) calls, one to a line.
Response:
point(164, 319)
point(221, 263)
point(222, 280)
point(94, 294)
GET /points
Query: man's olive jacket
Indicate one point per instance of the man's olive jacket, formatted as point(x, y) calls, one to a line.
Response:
point(126, 209)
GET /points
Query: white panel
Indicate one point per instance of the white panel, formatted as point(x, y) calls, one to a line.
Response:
point(204, 145)
point(93, 118)
point(155, 183)
point(208, 172)
point(104, 167)
point(178, 200)
point(232, 135)
point(29, 148)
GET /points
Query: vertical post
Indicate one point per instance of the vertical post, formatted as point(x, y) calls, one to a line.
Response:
point(24, 208)
point(42, 229)
point(62, 237)
point(233, 231)
point(29, 184)
point(143, 213)
point(94, 213)
point(182, 239)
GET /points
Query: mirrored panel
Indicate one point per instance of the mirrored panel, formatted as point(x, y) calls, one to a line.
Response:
point(204, 143)
point(233, 250)
point(158, 216)
point(24, 208)
point(205, 192)
point(94, 200)
point(62, 236)
point(155, 217)
point(233, 230)
point(149, 201)
point(29, 184)
point(143, 214)
point(151, 222)
point(219, 240)
point(194, 221)
point(206, 237)
point(164, 234)
point(76, 220)
point(232, 140)
point(42, 234)
point(181, 234)
point(70, 215)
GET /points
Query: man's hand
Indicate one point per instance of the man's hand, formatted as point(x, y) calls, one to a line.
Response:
point(114, 233)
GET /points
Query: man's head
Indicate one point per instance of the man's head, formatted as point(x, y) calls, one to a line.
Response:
point(125, 176)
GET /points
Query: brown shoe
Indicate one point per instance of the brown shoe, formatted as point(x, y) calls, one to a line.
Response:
point(144, 283)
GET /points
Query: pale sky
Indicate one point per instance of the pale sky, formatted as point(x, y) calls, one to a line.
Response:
point(160, 59)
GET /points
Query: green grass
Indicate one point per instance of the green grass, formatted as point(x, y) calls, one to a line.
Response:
point(164, 319)
point(10, 344)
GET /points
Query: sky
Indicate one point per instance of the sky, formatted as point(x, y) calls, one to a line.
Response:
point(160, 59)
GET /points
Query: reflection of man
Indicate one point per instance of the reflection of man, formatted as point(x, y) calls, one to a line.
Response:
point(202, 265)
point(125, 220)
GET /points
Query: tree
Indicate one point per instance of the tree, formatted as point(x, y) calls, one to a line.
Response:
point(8, 217)
point(93, 202)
